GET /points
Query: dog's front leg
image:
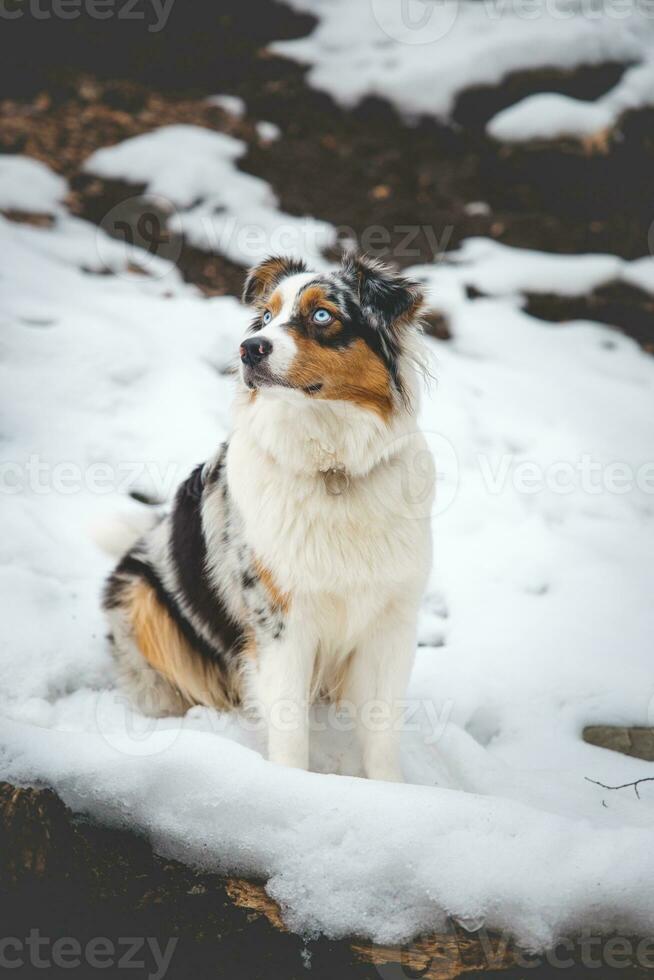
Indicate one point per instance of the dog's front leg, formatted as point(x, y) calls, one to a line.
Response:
point(281, 687)
point(376, 689)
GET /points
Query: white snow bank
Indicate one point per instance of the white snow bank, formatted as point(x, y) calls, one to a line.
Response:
point(214, 205)
point(499, 270)
point(541, 597)
point(28, 185)
point(420, 55)
point(550, 115)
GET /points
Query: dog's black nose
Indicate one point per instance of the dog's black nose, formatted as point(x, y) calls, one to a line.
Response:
point(254, 349)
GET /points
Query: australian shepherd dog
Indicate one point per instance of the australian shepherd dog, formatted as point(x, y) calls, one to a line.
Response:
point(291, 565)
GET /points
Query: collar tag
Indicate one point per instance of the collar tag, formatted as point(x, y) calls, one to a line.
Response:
point(336, 480)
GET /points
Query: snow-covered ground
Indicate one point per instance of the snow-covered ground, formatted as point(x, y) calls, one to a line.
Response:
point(192, 173)
point(538, 620)
point(421, 54)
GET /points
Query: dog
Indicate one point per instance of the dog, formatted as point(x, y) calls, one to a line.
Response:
point(291, 566)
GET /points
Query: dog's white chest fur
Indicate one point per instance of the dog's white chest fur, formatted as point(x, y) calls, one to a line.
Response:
point(336, 525)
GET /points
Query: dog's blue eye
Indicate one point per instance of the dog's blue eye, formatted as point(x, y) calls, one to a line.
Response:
point(267, 317)
point(321, 316)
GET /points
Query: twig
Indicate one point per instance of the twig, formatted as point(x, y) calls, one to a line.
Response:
point(635, 784)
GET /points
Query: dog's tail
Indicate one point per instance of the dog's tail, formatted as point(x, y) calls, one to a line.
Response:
point(117, 533)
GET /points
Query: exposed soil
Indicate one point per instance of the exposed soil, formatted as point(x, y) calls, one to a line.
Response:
point(201, 48)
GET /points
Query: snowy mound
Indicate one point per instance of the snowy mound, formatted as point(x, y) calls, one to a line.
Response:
point(538, 619)
point(28, 185)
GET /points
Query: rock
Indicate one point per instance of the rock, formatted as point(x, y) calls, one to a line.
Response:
point(637, 742)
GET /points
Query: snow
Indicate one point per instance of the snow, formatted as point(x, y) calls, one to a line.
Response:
point(538, 619)
point(268, 132)
point(28, 185)
point(640, 272)
point(498, 270)
point(192, 173)
point(232, 104)
point(421, 54)
point(551, 115)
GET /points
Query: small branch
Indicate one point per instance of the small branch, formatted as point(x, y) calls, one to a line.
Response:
point(636, 783)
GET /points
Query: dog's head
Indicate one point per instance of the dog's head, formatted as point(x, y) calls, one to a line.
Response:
point(337, 336)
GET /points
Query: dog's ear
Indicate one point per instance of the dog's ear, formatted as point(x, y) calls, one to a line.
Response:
point(387, 299)
point(262, 278)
